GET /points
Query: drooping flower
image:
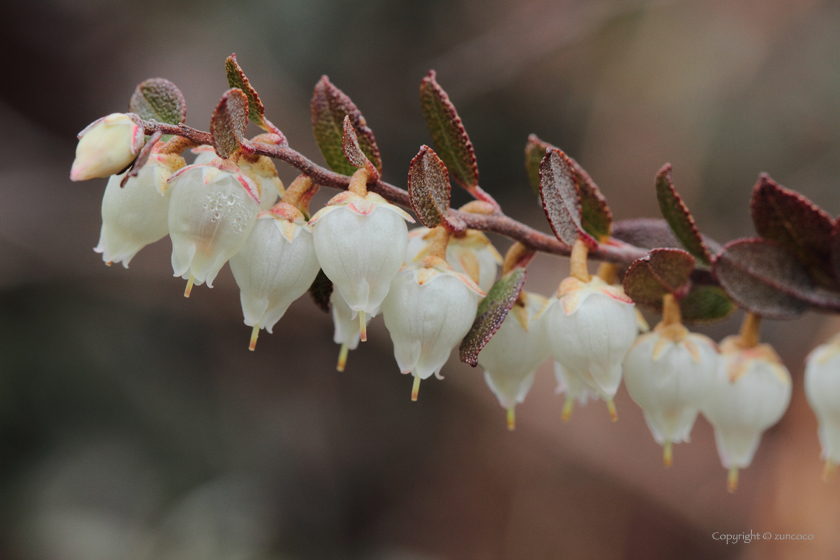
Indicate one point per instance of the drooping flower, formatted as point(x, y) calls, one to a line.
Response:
point(348, 332)
point(427, 311)
point(669, 372)
point(750, 392)
point(511, 358)
point(274, 267)
point(212, 210)
point(822, 387)
point(590, 326)
point(360, 242)
point(137, 214)
point(470, 253)
point(106, 147)
point(262, 172)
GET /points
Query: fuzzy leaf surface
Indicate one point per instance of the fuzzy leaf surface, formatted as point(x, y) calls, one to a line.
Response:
point(653, 233)
point(429, 189)
point(796, 223)
point(706, 304)
point(561, 202)
point(329, 107)
point(448, 134)
point(227, 126)
point(160, 100)
point(764, 277)
point(321, 290)
point(660, 272)
point(491, 314)
point(596, 216)
point(678, 217)
point(237, 79)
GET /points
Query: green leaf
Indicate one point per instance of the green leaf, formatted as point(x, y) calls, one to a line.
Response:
point(797, 224)
point(678, 217)
point(160, 100)
point(706, 304)
point(321, 290)
point(596, 217)
point(329, 108)
point(227, 127)
point(660, 272)
point(491, 314)
point(236, 79)
point(448, 133)
point(764, 277)
point(561, 202)
point(428, 187)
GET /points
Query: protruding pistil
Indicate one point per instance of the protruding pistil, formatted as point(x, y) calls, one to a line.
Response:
point(254, 334)
point(415, 388)
point(668, 455)
point(189, 288)
point(342, 357)
point(611, 408)
point(511, 418)
point(732, 480)
point(363, 326)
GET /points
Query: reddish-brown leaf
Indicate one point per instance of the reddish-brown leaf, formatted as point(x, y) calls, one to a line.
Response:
point(764, 277)
point(428, 187)
point(660, 272)
point(329, 107)
point(596, 217)
point(678, 217)
point(561, 202)
point(227, 127)
point(797, 224)
point(448, 134)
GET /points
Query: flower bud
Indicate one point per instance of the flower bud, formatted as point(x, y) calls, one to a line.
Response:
point(590, 327)
point(428, 310)
point(212, 210)
point(750, 392)
point(471, 254)
point(137, 214)
point(262, 172)
point(360, 242)
point(668, 373)
point(348, 331)
point(276, 266)
point(106, 147)
point(822, 387)
point(511, 358)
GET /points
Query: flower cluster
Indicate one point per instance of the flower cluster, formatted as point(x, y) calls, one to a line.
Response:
point(436, 286)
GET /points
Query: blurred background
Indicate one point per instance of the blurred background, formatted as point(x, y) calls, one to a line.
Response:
point(135, 424)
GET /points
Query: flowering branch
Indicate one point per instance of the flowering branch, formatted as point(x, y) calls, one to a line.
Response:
point(613, 251)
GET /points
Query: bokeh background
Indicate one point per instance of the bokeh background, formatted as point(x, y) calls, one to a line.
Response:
point(134, 424)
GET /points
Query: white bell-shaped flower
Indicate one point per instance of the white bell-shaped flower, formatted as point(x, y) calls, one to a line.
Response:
point(470, 253)
point(106, 147)
point(348, 331)
point(428, 310)
point(669, 372)
point(573, 387)
point(360, 242)
point(262, 172)
point(276, 266)
point(212, 210)
point(822, 387)
point(511, 357)
point(137, 214)
point(750, 392)
point(590, 326)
